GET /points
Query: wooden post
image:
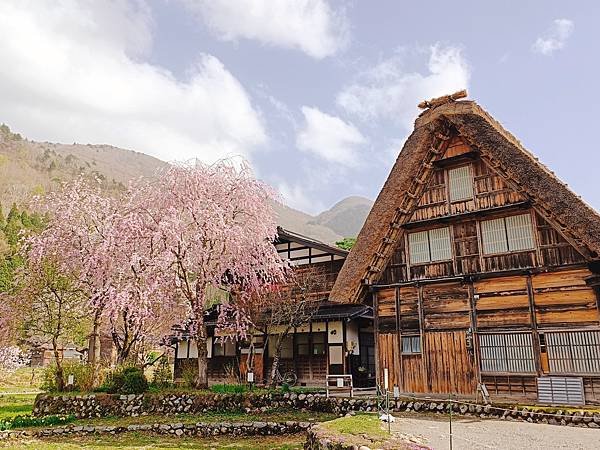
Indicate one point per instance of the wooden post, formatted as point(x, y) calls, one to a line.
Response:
point(344, 348)
point(475, 337)
point(376, 333)
point(399, 337)
point(327, 345)
point(310, 351)
point(535, 338)
point(424, 358)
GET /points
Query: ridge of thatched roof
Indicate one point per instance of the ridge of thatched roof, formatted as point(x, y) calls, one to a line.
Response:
point(576, 220)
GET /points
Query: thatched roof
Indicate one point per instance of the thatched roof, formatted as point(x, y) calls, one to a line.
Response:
point(576, 220)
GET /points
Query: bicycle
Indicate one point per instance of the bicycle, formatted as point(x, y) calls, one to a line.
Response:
point(290, 378)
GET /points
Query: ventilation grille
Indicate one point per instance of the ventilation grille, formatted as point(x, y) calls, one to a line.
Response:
point(561, 390)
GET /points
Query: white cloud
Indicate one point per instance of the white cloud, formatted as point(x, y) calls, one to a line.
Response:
point(389, 92)
point(555, 38)
point(329, 137)
point(297, 197)
point(71, 71)
point(308, 25)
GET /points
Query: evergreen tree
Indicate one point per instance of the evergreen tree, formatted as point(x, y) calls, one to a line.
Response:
point(13, 214)
point(26, 220)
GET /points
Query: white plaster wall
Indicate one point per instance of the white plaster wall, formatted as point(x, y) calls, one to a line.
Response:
point(336, 333)
point(352, 336)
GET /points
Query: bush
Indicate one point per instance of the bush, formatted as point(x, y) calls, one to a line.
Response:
point(162, 376)
point(126, 380)
point(189, 375)
point(30, 421)
point(83, 377)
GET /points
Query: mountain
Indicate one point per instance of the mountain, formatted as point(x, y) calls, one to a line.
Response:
point(346, 217)
point(28, 168)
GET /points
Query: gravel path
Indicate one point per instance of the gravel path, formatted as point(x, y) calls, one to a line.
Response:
point(471, 434)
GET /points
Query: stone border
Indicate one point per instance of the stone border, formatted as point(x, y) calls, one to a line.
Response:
point(175, 429)
point(103, 405)
point(321, 438)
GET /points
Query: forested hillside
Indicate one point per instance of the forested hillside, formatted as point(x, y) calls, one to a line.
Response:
point(28, 168)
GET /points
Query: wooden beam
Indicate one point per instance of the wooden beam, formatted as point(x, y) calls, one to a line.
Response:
point(534, 332)
point(424, 361)
point(438, 101)
point(399, 338)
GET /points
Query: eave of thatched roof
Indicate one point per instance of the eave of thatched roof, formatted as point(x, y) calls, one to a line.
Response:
point(579, 222)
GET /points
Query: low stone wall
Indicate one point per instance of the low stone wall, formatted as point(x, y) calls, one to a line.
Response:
point(175, 429)
point(319, 437)
point(103, 405)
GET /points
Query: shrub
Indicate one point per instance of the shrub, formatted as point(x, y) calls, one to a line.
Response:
point(83, 376)
point(126, 380)
point(189, 375)
point(162, 376)
point(30, 421)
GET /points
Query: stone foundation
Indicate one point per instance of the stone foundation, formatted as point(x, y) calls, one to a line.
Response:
point(175, 429)
point(103, 405)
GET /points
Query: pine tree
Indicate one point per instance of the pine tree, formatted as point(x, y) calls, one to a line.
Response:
point(26, 220)
point(13, 214)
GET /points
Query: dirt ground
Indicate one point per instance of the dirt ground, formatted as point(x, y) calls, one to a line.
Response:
point(472, 433)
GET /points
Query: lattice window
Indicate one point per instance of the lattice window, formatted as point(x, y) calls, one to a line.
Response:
point(461, 183)
point(508, 234)
point(439, 244)
point(573, 352)
point(419, 247)
point(519, 232)
point(430, 246)
point(506, 353)
point(411, 344)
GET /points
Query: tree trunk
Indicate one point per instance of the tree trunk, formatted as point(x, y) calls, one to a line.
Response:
point(276, 359)
point(60, 377)
point(94, 348)
point(202, 379)
point(200, 334)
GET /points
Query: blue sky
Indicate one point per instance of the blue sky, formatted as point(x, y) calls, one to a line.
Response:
point(317, 95)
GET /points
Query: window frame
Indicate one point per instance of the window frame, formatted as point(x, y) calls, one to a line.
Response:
point(223, 343)
point(412, 338)
point(573, 350)
point(506, 238)
point(469, 167)
point(302, 343)
point(501, 341)
point(430, 260)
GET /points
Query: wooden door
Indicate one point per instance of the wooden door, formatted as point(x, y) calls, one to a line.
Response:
point(449, 363)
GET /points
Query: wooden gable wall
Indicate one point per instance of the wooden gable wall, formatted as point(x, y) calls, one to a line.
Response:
point(492, 198)
point(448, 303)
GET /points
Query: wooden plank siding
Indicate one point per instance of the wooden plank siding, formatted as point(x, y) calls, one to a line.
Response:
point(490, 191)
point(563, 299)
point(451, 368)
point(526, 282)
point(492, 198)
point(443, 312)
point(551, 250)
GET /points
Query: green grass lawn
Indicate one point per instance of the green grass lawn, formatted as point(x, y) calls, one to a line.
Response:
point(358, 425)
point(25, 379)
point(146, 441)
point(15, 404)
